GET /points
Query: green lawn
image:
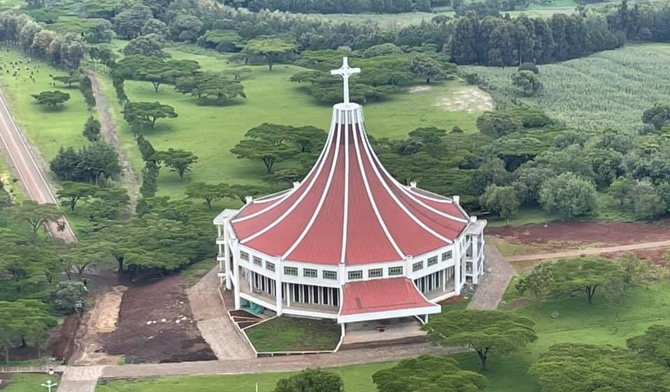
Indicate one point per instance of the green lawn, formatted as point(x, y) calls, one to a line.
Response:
point(294, 334)
point(47, 128)
point(210, 132)
point(356, 379)
point(577, 322)
point(29, 382)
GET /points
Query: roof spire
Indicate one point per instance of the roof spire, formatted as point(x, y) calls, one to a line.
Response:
point(345, 72)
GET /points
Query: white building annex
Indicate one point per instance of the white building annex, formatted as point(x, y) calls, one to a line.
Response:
point(349, 242)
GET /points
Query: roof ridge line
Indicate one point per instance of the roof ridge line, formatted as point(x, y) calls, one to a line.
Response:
point(395, 198)
point(445, 201)
point(371, 198)
point(317, 211)
point(345, 217)
point(406, 192)
point(296, 203)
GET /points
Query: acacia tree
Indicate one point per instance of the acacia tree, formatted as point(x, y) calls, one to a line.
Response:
point(653, 345)
point(179, 160)
point(51, 98)
point(575, 275)
point(487, 332)
point(266, 142)
point(574, 367)
point(271, 48)
point(428, 373)
point(73, 192)
point(147, 112)
point(311, 380)
point(427, 67)
point(208, 192)
point(35, 215)
point(23, 318)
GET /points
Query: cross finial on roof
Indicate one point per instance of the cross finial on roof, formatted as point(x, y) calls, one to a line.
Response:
point(345, 72)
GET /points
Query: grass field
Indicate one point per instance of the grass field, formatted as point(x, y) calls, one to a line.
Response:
point(577, 322)
point(294, 334)
point(47, 128)
point(606, 90)
point(29, 382)
point(210, 132)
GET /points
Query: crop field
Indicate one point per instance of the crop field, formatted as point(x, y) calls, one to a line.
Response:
point(210, 132)
point(606, 90)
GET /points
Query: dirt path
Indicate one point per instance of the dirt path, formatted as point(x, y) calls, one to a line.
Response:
point(498, 274)
point(213, 322)
point(130, 178)
point(590, 251)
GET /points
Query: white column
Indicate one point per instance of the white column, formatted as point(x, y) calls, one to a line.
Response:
point(226, 256)
point(236, 272)
point(344, 329)
point(278, 289)
point(457, 266)
point(444, 280)
point(289, 293)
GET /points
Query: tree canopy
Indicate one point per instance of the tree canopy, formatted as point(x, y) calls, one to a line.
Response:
point(271, 48)
point(653, 345)
point(574, 367)
point(487, 332)
point(428, 373)
point(311, 380)
point(147, 113)
point(51, 98)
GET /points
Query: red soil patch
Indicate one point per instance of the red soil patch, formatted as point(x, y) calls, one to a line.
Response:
point(62, 338)
point(559, 233)
point(171, 336)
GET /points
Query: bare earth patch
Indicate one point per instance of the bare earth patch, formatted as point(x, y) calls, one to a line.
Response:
point(156, 325)
point(108, 310)
point(418, 89)
point(559, 235)
point(467, 99)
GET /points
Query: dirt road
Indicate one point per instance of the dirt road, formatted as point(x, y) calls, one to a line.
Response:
point(130, 179)
point(33, 181)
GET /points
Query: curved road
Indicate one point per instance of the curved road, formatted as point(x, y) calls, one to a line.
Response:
point(33, 180)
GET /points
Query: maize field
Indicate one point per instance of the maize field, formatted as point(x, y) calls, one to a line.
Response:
point(606, 90)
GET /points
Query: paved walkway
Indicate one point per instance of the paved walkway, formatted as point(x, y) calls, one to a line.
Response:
point(215, 326)
point(275, 364)
point(498, 274)
point(79, 378)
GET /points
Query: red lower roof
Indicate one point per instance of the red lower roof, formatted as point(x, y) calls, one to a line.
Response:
point(382, 295)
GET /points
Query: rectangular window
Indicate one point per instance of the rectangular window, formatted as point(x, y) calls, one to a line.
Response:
point(244, 255)
point(395, 271)
point(446, 256)
point(309, 273)
point(375, 273)
point(270, 266)
point(291, 271)
point(330, 275)
point(258, 261)
point(432, 260)
point(353, 275)
point(417, 266)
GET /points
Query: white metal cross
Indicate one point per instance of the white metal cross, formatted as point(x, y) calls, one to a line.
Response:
point(345, 72)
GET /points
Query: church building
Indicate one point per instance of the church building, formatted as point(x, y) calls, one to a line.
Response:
point(349, 242)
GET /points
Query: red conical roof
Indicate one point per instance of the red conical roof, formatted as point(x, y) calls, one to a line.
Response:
point(349, 209)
